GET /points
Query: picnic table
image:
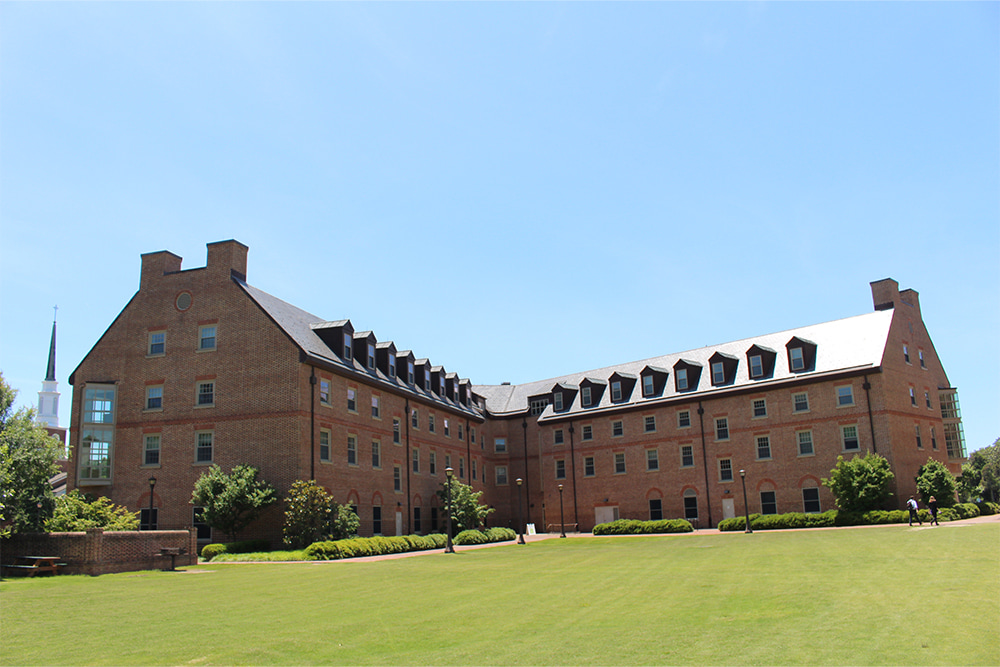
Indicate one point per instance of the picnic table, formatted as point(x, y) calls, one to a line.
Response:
point(173, 552)
point(29, 566)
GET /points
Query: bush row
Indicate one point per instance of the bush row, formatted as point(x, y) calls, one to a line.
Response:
point(635, 527)
point(210, 551)
point(987, 508)
point(838, 518)
point(485, 536)
point(373, 546)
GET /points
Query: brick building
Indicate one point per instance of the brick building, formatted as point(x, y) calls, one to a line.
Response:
point(201, 368)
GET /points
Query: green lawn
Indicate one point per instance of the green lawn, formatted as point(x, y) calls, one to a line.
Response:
point(887, 595)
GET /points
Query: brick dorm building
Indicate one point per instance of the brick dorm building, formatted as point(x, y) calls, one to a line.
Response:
point(201, 368)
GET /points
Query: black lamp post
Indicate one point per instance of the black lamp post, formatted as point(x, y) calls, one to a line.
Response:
point(152, 485)
point(449, 548)
point(746, 507)
point(520, 509)
point(562, 516)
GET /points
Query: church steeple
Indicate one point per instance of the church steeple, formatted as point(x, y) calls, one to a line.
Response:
point(48, 397)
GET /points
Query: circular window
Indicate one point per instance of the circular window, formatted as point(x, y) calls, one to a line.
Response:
point(183, 301)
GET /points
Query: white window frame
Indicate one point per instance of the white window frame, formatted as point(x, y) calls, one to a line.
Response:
point(618, 428)
point(616, 390)
point(687, 452)
point(844, 438)
point(500, 476)
point(684, 416)
point(499, 445)
point(586, 432)
point(845, 395)
point(204, 447)
point(726, 470)
point(619, 461)
point(376, 454)
point(763, 446)
point(759, 407)
point(648, 385)
point(721, 424)
point(585, 397)
point(649, 424)
point(200, 394)
point(805, 438)
point(376, 407)
point(558, 437)
point(352, 450)
point(148, 440)
point(154, 392)
point(203, 338)
point(756, 366)
point(589, 462)
point(797, 359)
point(560, 468)
point(652, 460)
point(681, 378)
point(325, 443)
point(557, 401)
point(795, 402)
point(156, 339)
point(352, 400)
point(718, 373)
point(324, 391)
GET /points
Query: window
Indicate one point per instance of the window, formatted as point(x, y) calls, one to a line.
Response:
point(617, 428)
point(725, 470)
point(616, 390)
point(768, 503)
point(756, 366)
point(920, 355)
point(681, 377)
point(206, 393)
point(460, 433)
point(718, 373)
point(927, 399)
point(431, 425)
point(690, 506)
point(906, 354)
point(805, 440)
point(472, 434)
point(499, 445)
point(557, 436)
point(375, 407)
point(447, 429)
point(461, 467)
point(722, 428)
point(204, 531)
point(152, 450)
point(324, 392)
point(760, 407)
point(933, 439)
point(501, 475)
point(157, 344)
point(96, 442)
point(324, 445)
point(800, 402)
point(557, 401)
point(798, 359)
point(684, 419)
point(585, 396)
point(347, 346)
point(913, 398)
point(810, 501)
point(652, 459)
point(148, 518)
point(414, 419)
point(376, 454)
point(206, 337)
point(655, 509)
point(392, 366)
point(687, 456)
point(649, 424)
point(619, 463)
point(845, 395)
point(409, 372)
point(850, 437)
point(954, 440)
point(352, 400)
point(588, 432)
point(395, 431)
point(588, 466)
point(920, 444)
point(434, 519)
point(473, 469)
point(416, 520)
point(447, 460)
point(203, 448)
point(415, 455)
point(648, 385)
point(432, 463)
point(371, 356)
point(763, 447)
point(538, 405)
point(397, 479)
point(154, 397)
point(377, 520)
point(560, 469)
point(352, 450)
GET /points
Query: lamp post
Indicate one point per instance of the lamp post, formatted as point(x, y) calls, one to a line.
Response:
point(449, 548)
point(562, 516)
point(746, 507)
point(520, 508)
point(152, 485)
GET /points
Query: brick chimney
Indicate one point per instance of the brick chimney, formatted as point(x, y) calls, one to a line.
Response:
point(885, 294)
point(156, 265)
point(227, 258)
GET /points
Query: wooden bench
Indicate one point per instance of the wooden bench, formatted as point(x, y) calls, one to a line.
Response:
point(29, 566)
point(173, 552)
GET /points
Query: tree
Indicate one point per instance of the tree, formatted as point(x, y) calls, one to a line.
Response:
point(28, 459)
point(861, 484)
point(76, 511)
point(312, 515)
point(981, 475)
point(466, 512)
point(934, 479)
point(231, 502)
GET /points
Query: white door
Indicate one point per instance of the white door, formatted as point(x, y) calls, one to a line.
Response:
point(399, 523)
point(605, 514)
point(728, 508)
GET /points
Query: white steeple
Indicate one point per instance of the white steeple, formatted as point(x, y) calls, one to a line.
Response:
point(48, 397)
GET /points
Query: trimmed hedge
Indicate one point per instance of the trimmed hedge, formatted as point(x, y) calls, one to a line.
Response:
point(838, 518)
point(210, 551)
point(987, 508)
point(636, 527)
point(373, 546)
point(485, 536)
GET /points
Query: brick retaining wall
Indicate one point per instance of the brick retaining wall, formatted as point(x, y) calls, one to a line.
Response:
point(98, 552)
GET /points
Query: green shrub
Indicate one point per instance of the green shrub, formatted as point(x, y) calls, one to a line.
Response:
point(262, 557)
point(987, 508)
point(470, 537)
point(636, 527)
point(210, 551)
point(966, 510)
point(499, 534)
point(372, 546)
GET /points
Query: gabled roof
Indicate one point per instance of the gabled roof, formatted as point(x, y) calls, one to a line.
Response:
point(842, 345)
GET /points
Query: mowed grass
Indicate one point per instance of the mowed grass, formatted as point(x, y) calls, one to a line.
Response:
point(873, 596)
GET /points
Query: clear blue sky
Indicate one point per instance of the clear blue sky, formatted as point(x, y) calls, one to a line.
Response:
point(513, 190)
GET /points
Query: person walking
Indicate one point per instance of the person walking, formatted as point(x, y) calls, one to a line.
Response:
point(911, 505)
point(932, 506)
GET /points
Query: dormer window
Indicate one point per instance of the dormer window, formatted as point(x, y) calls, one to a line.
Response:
point(801, 354)
point(392, 367)
point(616, 391)
point(427, 383)
point(557, 401)
point(409, 372)
point(723, 368)
point(798, 361)
point(756, 366)
point(585, 396)
point(347, 347)
point(687, 374)
point(622, 385)
point(647, 385)
point(371, 356)
point(718, 373)
point(760, 362)
point(682, 379)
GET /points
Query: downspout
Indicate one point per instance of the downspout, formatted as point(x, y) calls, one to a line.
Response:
point(871, 422)
point(527, 486)
point(704, 457)
point(572, 467)
point(468, 448)
point(408, 464)
point(312, 423)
